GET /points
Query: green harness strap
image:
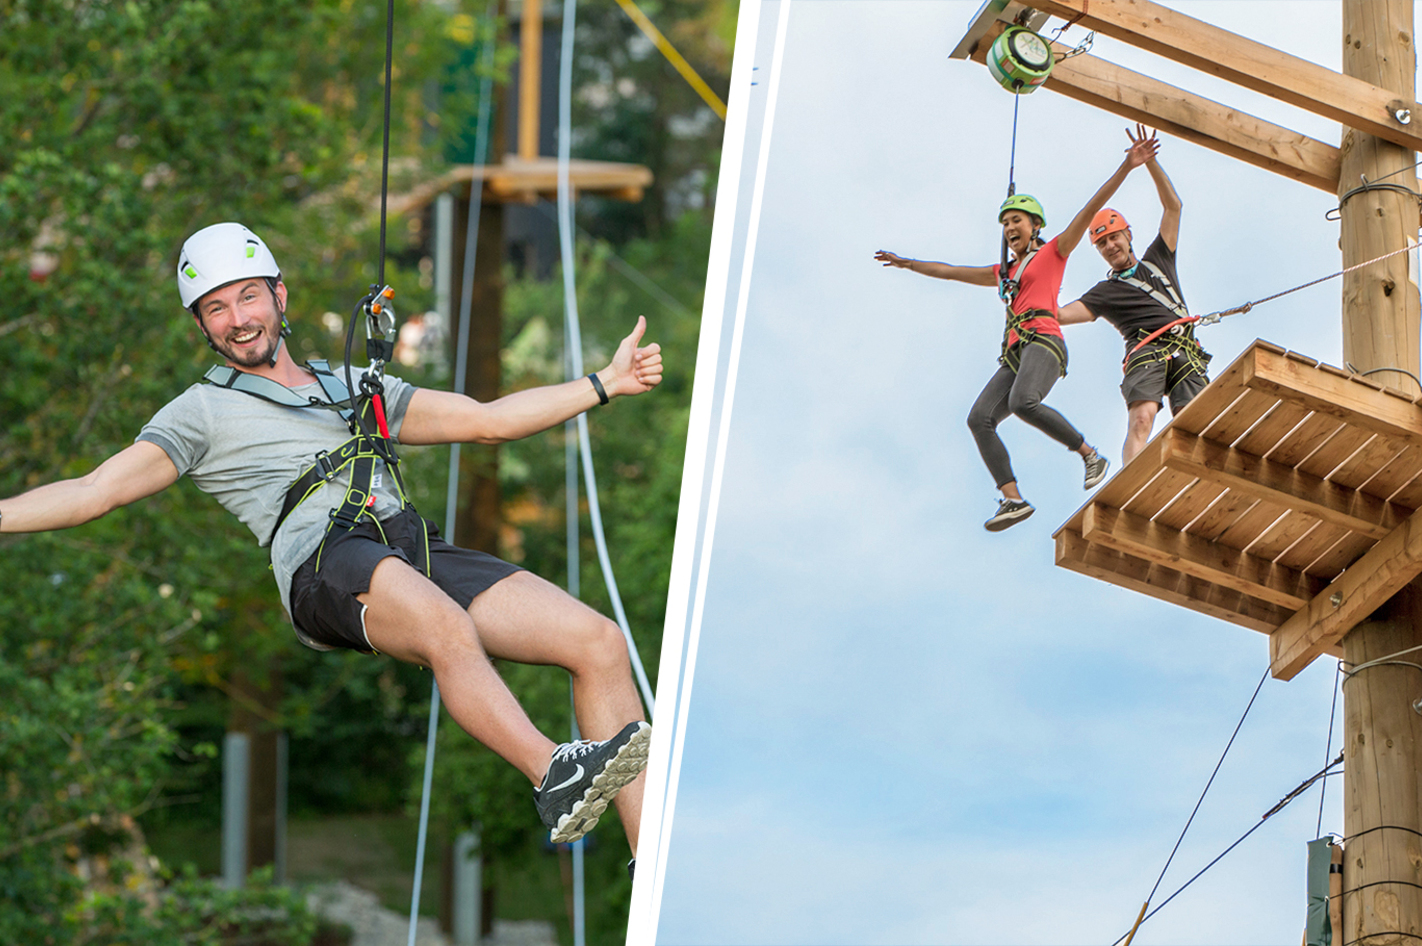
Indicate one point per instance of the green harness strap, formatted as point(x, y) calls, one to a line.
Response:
point(1011, 354)
point(360, 453)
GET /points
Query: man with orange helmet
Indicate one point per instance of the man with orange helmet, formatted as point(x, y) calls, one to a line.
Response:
point(1140, 296)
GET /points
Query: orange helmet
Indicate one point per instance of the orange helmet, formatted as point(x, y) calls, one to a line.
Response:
point(1106, 221)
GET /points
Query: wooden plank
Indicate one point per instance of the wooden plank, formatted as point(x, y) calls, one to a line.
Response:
point(1222, 515)
point(1334, 452)
point(1302, 554)
point(1278, 484)
point(1359, 469)
point(1246, 530)
point(1306, 438)
point(1242, 415)
point(1342, 555)
point(1348, 600)
point(1127, 571)
point(1283, 535)
point(1189, 505)
point(1399, 472)
point(1234, 58)
point(1216, 564)
point(1139, 98)
point(1162, 490)
point(1271, 431)
point(1349, 399)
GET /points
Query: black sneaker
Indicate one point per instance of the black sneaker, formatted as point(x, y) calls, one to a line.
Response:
point(1096, 466)
point(585, 776)
point(632, 869)
point(1009, 513)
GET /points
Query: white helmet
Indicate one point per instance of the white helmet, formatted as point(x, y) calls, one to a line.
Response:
point(220, 254)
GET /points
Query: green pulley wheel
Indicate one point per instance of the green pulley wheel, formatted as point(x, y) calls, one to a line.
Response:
point(1020, 60)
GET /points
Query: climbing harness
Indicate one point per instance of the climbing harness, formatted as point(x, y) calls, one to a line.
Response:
point(1175, 342)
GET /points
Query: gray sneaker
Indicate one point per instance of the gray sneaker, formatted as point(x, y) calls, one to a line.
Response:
point(585, 776)
point(1096, 467)
point(1009, 513)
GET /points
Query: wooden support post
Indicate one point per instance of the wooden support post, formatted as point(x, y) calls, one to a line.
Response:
point(530, 78)
point(1382, 863)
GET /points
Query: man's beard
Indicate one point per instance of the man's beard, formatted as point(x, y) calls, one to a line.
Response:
point(251, 357)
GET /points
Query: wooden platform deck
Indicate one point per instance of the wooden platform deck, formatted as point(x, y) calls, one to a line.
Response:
point(1281, 499)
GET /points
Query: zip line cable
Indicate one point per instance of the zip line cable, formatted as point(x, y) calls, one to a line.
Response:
point(570, 308)
point(385, 147)
point(1141, 917)
point(461, 363)
point(1328, 751)
point(1323, 773)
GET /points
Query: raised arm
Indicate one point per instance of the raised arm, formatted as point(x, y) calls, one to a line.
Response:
point(129, 475)
point(446, 417)
point(977, 275)
point(1169, 201)
point(1140, 152)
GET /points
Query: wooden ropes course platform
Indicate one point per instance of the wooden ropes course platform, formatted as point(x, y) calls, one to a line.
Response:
point(1281, 499)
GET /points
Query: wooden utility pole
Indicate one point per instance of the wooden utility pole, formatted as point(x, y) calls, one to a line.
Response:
point(1382, 864)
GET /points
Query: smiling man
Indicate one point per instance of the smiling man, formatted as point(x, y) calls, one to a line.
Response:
point(1139, 297)
point(356, 566)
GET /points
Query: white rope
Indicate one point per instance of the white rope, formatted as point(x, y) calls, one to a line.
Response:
point(461, 362)
point(570, 308)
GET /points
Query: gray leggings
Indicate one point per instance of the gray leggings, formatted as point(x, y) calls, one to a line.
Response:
point(1019, 393)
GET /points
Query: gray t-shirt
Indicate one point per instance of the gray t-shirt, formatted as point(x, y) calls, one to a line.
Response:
point(246, 452)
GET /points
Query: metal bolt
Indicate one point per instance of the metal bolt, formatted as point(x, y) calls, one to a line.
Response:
point(1417, 706)
point(1335, 599)
point(1403, 116)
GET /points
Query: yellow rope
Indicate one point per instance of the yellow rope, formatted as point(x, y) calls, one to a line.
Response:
point(674, 57)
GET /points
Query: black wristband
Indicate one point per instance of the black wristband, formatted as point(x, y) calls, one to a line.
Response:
point(597, 386)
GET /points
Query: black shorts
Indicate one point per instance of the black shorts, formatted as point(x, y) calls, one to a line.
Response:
point(1154, 380)
point(323, 600)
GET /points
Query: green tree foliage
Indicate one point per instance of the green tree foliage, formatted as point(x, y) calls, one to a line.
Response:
point(129, 125)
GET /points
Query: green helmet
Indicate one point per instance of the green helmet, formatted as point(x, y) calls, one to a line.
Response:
point(1026, 203)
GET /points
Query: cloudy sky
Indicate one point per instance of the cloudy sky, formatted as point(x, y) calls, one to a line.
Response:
point(901, 728)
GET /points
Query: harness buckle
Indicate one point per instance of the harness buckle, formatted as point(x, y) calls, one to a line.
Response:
point(324, 464)
point(343, 521)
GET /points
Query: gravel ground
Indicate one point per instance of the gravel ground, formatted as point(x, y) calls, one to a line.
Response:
point(374, 925)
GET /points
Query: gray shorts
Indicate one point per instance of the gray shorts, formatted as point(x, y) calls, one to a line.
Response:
point(324, 608)
point(1156, 380)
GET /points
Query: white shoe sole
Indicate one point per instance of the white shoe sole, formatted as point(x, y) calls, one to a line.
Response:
point(621, 769)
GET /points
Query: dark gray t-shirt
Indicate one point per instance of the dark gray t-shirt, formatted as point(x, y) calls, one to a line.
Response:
point(246, 452)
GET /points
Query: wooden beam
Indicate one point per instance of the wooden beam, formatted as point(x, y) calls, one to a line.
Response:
point(1139, 98)
point(1366, 586)
point(1277, 74)
point(1277, 484)
point(1359, 402)
point(1127, 571)
point(1215, 563)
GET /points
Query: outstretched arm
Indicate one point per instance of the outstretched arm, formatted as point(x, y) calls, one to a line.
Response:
point(1074, 313)
point(1169, 201)
point(446, 417)
point(1140, 152)
point(129, 475)
point(977, 275)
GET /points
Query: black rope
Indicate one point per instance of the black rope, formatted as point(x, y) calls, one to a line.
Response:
point(1337, 212)
point(1328, 752)
point(1383, 827)
point(1267, 815)
point(1381, 933)
point(1207, 788)
point(385, 153)
point(1379, 883)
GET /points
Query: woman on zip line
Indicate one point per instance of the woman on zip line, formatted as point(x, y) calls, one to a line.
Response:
point(1034, 354)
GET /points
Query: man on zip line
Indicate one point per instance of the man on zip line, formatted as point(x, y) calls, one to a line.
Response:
point(1140, 296)
point(356, 567)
